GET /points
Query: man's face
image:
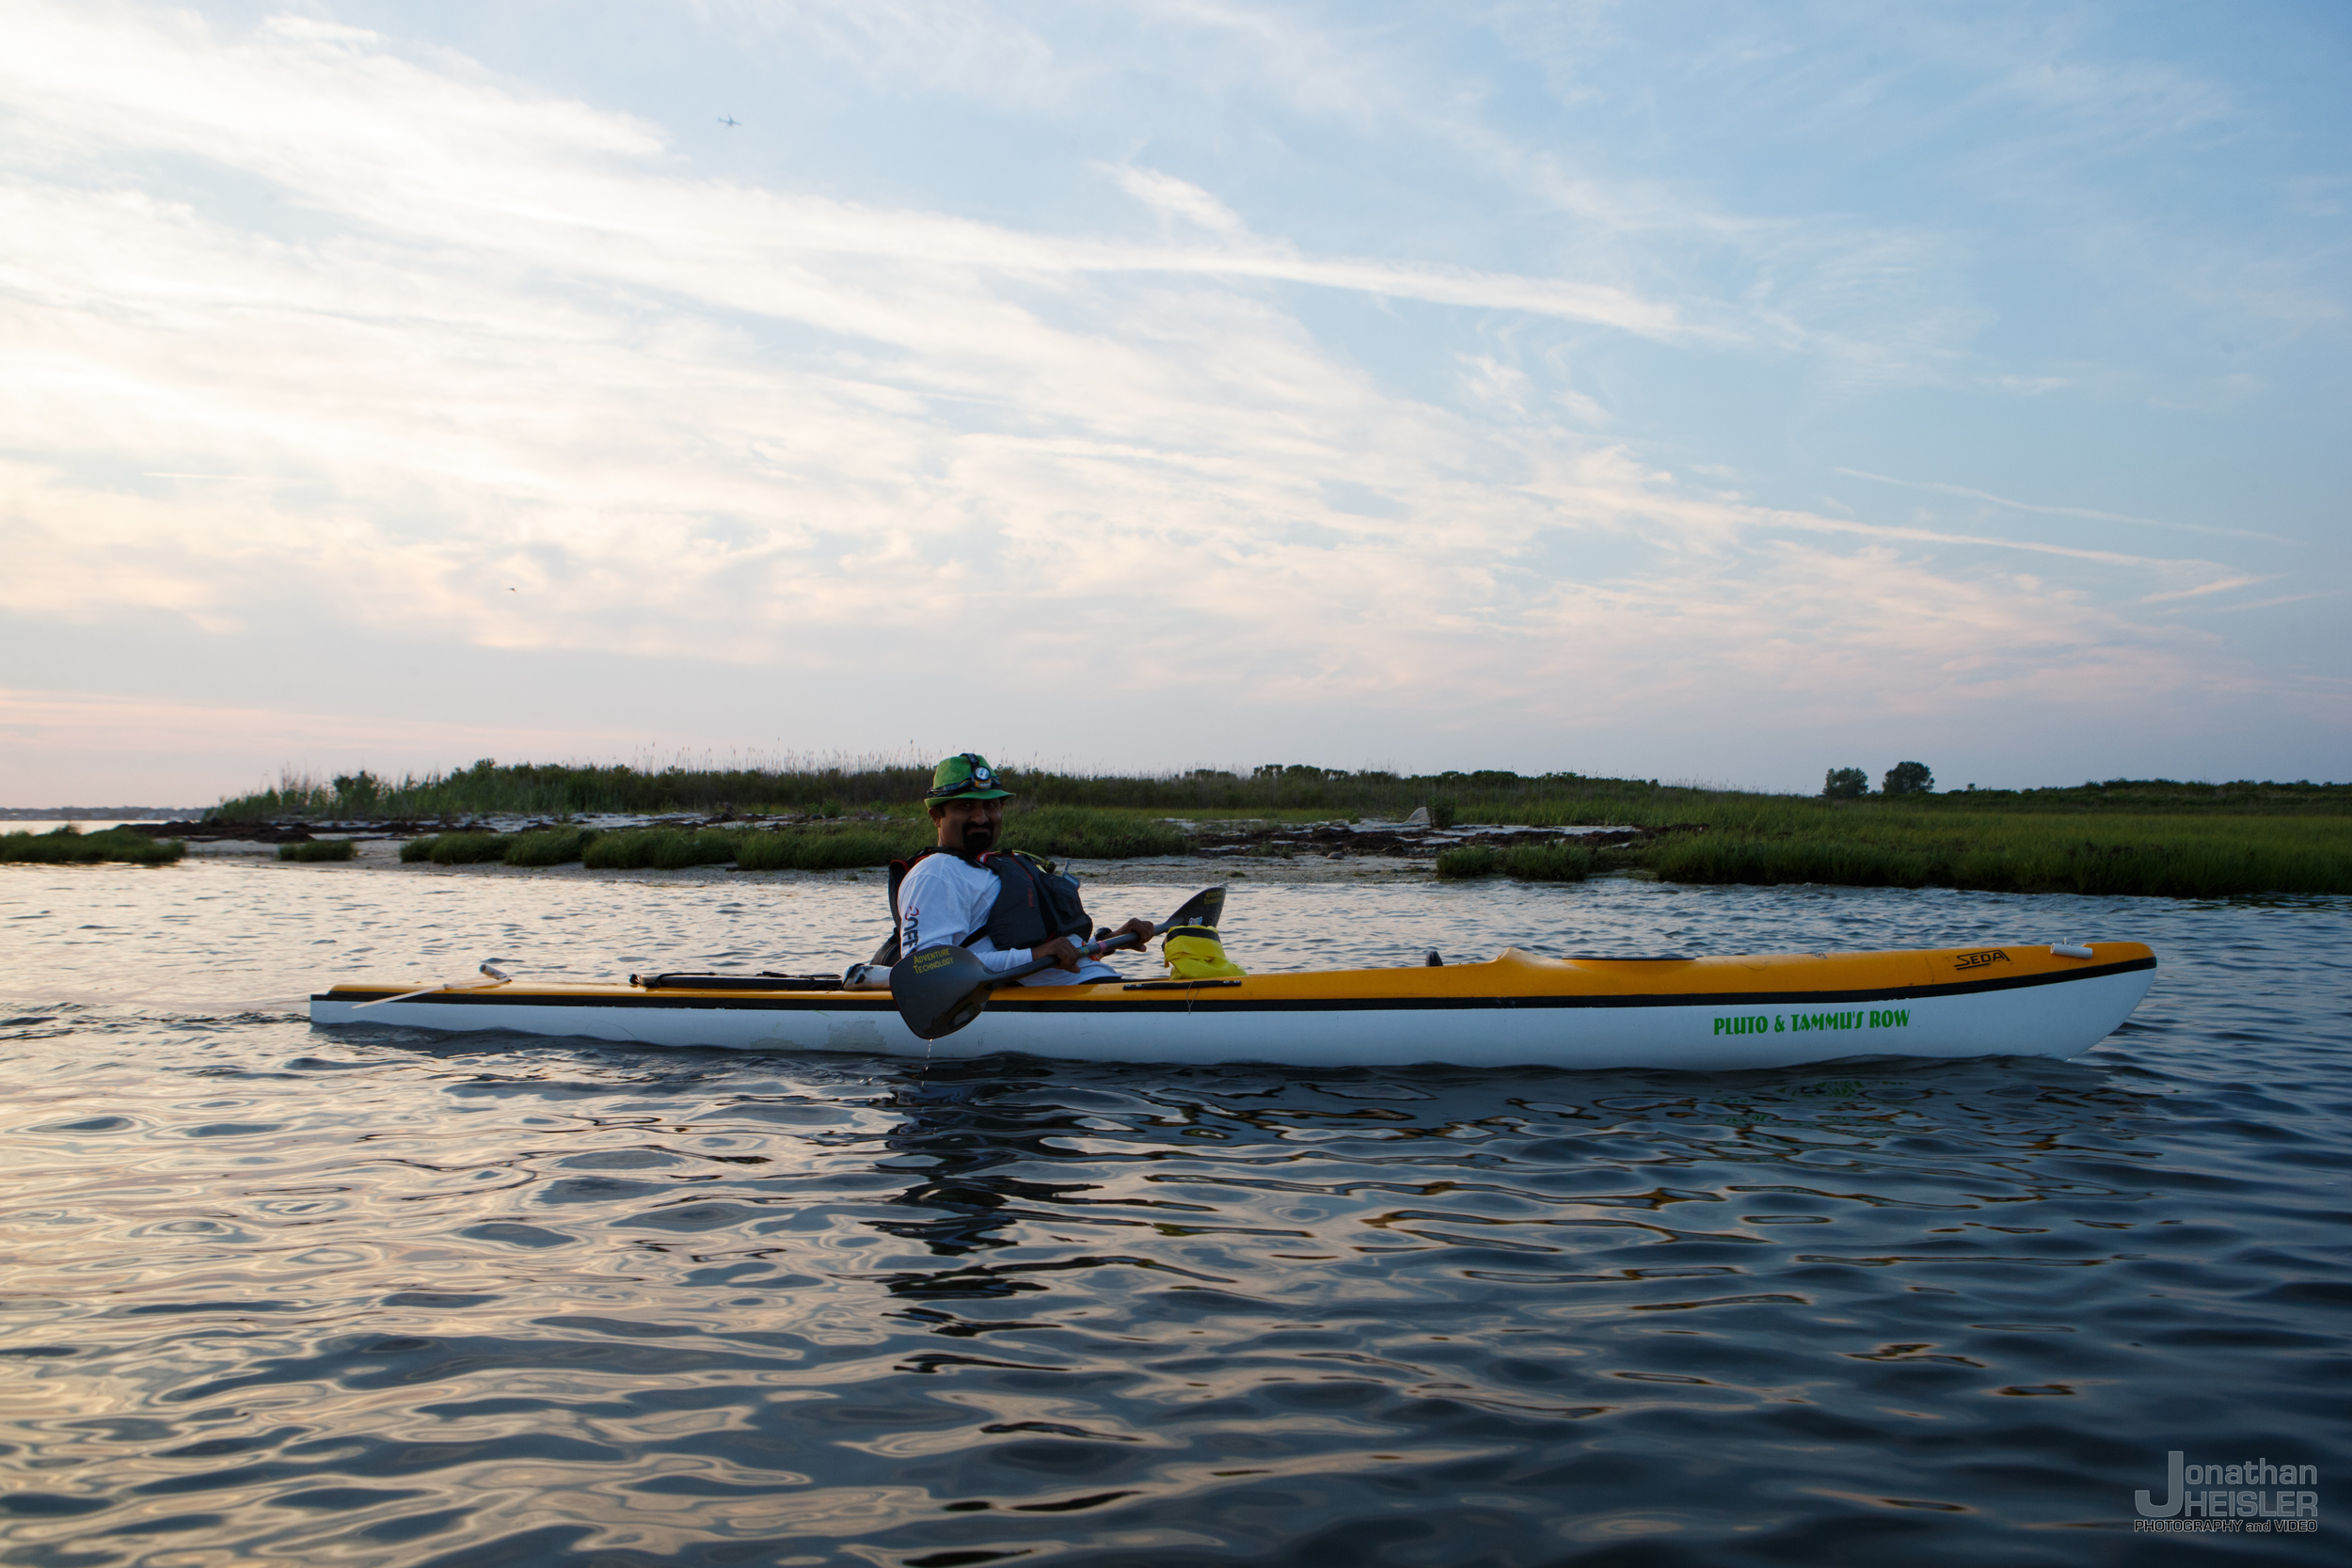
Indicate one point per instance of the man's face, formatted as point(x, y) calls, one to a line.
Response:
point(971, 826)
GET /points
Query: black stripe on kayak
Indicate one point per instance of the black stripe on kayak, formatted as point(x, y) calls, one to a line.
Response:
point(879, 1002)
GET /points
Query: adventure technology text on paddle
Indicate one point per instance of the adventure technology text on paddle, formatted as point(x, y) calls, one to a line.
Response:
point(941, 989)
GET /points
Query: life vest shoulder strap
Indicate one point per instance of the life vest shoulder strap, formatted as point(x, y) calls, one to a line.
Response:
point(991, 858)
point(899, 870)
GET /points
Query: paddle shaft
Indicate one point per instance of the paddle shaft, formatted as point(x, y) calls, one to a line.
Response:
point(428, 990)
point(1091, 950)
point(1096, 949)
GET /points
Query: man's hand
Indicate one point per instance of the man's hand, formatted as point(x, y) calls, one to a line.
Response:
point(1065, 953)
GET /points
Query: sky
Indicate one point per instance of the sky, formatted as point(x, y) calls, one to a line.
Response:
point(1710, 392)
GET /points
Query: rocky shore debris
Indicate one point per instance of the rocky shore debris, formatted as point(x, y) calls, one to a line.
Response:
point(1413, 840)
point(214, 830)
point(1404, 841)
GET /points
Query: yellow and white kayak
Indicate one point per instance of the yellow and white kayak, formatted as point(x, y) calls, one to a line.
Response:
point(1516, 1010)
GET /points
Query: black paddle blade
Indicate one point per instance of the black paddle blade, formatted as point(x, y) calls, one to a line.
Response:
point(1201, 908)
point(938, 990)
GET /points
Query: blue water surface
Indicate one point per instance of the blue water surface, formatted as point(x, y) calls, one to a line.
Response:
point(276, 1295)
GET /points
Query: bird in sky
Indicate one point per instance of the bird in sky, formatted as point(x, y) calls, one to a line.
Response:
point(729, 121)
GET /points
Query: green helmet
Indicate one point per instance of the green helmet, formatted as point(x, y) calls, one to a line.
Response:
point(965, 777)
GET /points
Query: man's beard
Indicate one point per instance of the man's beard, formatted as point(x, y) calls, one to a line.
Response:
point(978, 836)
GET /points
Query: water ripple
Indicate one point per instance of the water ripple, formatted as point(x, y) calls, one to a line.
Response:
point(390, 1298)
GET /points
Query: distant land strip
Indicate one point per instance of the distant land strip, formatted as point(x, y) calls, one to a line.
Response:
point(92, 813)
point(2147, 837)
point(489, 787)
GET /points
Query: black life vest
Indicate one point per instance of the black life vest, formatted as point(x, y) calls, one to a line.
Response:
point(1035, 903)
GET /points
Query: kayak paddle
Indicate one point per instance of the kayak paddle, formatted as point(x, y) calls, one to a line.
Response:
point(941, 989)
point(498, 978)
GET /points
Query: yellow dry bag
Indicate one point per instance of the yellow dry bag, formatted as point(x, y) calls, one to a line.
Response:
point(1193, 953)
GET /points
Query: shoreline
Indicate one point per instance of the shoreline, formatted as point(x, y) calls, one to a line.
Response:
point(383, 854)
point(2118, 854)
point(1241, 849)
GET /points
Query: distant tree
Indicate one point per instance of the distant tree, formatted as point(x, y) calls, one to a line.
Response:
point(1909, 778)
point(1846, 784)
point(357, 791)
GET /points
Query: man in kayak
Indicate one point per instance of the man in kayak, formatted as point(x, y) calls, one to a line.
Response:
point(1005, 907)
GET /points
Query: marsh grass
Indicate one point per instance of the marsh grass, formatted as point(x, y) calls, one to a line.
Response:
point(456, 848)
point(70, 846)
point(2149, 835)
point(1466, 861)
point(839, 849)
point(1053, 832)
point(1527, 863)
point(468, 848)
point(2169, 856)
point(660, 849)
point(319, 849)
point(1064, 832)
point(548, 846)
point(895, 786)
point(1547, 863)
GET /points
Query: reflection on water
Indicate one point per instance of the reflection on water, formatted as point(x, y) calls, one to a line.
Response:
point(387, 1298)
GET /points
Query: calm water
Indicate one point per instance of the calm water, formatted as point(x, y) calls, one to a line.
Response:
point(272, 1294)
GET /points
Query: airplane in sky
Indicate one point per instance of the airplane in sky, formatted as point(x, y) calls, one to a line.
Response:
point(729, 121)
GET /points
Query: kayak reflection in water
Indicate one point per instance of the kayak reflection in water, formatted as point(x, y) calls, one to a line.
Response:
point(1003, 906)
point(963, 1125)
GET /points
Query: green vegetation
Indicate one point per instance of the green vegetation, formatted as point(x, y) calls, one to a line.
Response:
point(1908, 778)
point(2152, 837)
point(1053, 832)
point(1469, 860)
point(1547, 863)
point(70, 846)
point(1527, 863)
point(541, 847)
point(547, 847)
point(829, 852)
point(662, 848)
point(319, 849)
point(551, 789)
point(2125, 836)
point(467, 849)
point(1058, 833)
point(2169, 855)
point(1290, 791)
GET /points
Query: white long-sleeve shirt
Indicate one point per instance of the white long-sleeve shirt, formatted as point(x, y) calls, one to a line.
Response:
point(946, 897)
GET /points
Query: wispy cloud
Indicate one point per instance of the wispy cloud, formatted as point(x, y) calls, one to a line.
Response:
point(301, 316)
point(2219, 585)
point(108, 721)
point(348, 126)
point(2092, 514)
point(1178, 198)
